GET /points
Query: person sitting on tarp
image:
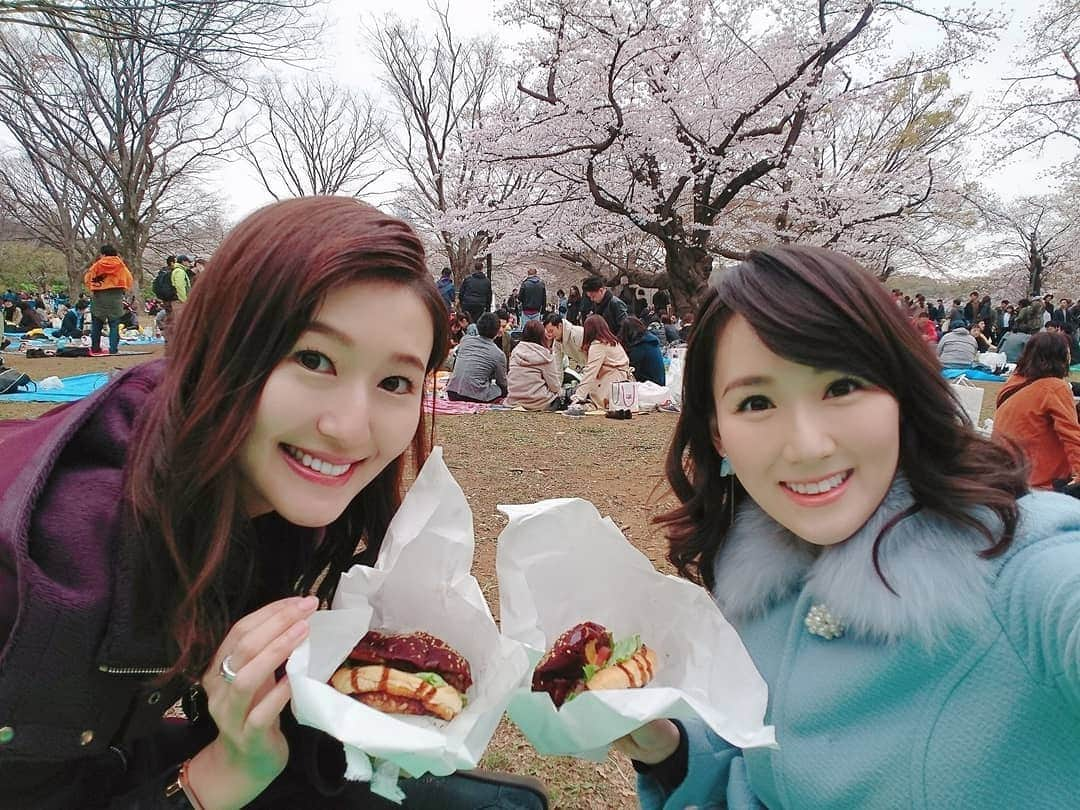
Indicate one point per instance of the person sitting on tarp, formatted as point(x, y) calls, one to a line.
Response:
point(22, 317)
point(480, 366)
point(73, 319)
point(1012, 345)
point(643, 349)
point(957, 348)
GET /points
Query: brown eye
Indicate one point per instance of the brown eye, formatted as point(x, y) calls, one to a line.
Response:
point(314, 361)
point(755, 403)
point(847, 385)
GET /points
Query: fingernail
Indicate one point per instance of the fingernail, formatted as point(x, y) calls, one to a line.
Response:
point(298, 629)
point(309, 603)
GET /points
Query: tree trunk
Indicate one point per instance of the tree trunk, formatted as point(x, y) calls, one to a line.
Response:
point(1035, 267)
point(131, 252)
point(75, 271)
point(688, 271)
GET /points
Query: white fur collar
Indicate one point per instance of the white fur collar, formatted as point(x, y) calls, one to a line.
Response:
point(932, 564)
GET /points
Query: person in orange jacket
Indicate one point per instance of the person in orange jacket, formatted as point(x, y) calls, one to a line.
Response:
point(108, 280)
point(1035, 409)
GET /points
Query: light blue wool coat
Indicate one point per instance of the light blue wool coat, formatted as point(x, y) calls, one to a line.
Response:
point(964, 692)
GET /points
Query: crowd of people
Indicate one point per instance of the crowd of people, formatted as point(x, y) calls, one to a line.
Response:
point(963, 330)
point(1037, 408)
point(912, 604)
point(110, 304)
point(519, 353)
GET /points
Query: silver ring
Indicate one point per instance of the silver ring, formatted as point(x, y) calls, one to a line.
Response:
point(226, 671)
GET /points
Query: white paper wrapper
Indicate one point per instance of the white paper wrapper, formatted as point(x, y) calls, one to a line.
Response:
point(421, 581)
point(560, 563)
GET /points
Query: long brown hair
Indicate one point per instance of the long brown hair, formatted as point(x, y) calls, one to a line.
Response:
point(596, 330)
point(818, 308)
point(259, 293)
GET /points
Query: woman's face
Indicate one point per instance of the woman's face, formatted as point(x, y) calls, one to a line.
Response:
point(340, 407)
point(816, 449)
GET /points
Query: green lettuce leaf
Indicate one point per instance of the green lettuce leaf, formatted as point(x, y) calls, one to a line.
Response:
point(433, 678)
point(590, 670)
point(624, 649)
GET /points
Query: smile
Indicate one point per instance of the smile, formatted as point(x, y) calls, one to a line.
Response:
point(317, 465)
point(822, 486)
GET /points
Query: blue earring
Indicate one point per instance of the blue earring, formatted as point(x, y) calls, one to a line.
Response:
point(725, 467)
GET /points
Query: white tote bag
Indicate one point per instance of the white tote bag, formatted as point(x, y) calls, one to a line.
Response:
point(624, 396)
point(970, 396)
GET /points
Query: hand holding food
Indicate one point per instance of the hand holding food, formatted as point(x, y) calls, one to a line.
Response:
point(588, 657)
point(405, 673)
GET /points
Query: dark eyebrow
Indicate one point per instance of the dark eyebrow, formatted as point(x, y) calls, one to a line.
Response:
point(752, 380)
point(746, 382)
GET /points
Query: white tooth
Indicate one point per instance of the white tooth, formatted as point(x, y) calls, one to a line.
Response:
point(321, 466)
point(340, 469)
point(306, 460)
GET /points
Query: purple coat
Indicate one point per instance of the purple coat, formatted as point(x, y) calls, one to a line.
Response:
point(81, 723)
point(74, 689)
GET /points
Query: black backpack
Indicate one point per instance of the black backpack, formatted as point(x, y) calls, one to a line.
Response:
point(11, 381)
point(163, 287)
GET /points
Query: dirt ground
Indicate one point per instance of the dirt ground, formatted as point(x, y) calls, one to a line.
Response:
point(508, 457)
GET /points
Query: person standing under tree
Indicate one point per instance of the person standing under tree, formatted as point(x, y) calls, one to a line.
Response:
point(532, 297)
point(108, 280)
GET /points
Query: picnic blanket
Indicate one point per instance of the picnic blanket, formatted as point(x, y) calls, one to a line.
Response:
point(972, 374)
point(445, 406)
point(77, 387)
point(18, 342)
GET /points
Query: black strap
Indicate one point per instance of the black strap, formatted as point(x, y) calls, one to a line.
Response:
point(1004, 395)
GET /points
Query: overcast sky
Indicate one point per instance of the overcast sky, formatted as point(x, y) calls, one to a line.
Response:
point(346, 61)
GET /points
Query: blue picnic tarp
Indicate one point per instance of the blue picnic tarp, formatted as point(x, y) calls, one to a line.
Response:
point(972, 374)
point(76, 387)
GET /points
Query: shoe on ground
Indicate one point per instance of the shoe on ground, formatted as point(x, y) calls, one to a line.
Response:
point(98, 353)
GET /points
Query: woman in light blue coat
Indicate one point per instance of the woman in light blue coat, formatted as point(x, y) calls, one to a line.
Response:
point(914, 610)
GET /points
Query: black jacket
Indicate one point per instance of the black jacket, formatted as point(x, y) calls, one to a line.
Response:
point(613, 309)
point(533, 295)
point(476, 292)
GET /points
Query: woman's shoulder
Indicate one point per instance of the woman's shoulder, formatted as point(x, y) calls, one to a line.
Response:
point(1036, 594)
point(1048, 522)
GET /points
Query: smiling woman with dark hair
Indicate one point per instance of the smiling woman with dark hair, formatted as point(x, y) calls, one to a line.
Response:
point(897, 586)
point(172, 534)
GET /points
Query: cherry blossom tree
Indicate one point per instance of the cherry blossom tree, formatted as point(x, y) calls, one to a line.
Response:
point(880, 176)
point(687, 119)
point(1035, 239)
point(1041, 102)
